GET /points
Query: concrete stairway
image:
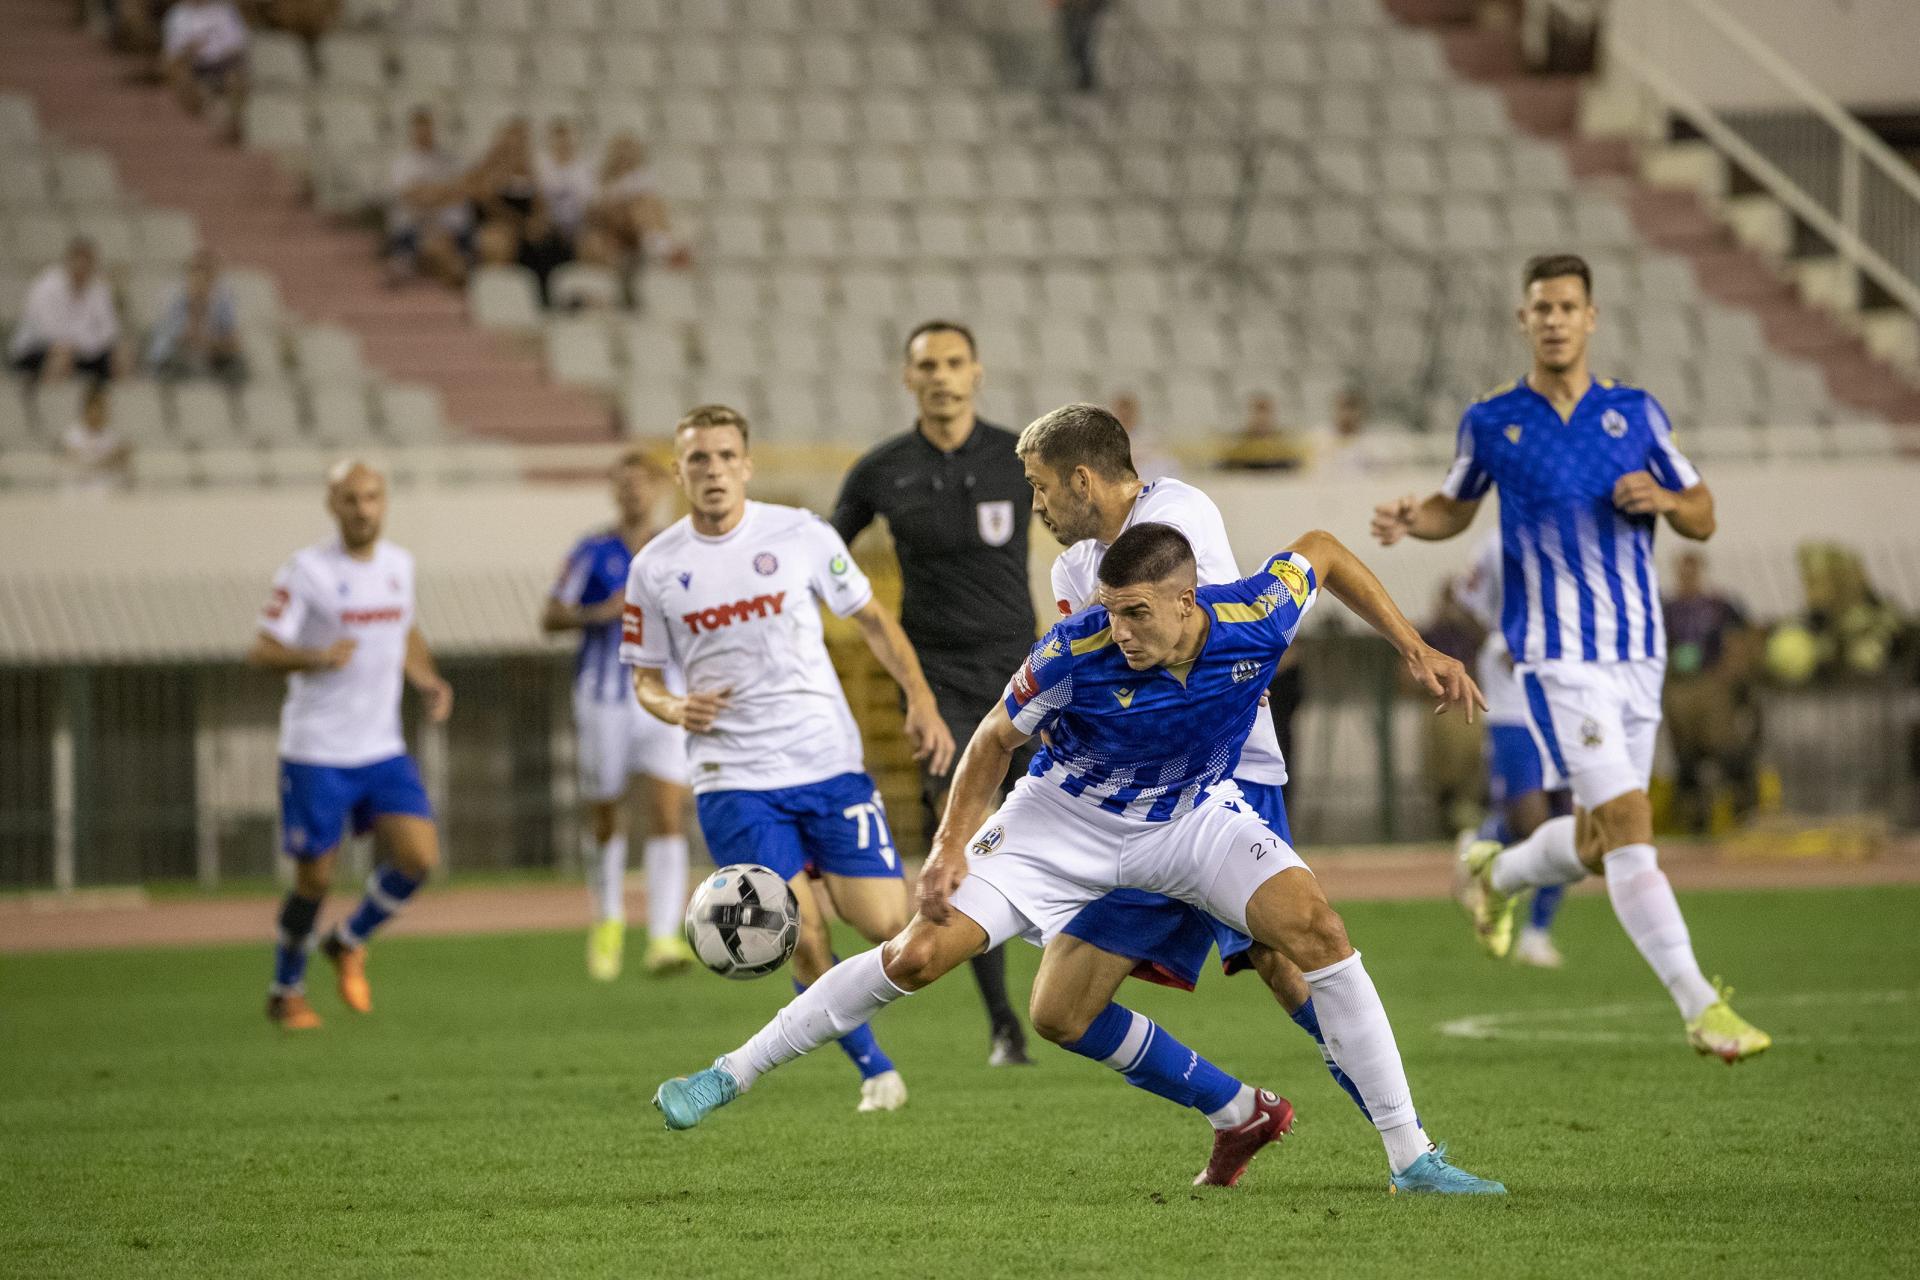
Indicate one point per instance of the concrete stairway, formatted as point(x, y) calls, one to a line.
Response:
point(253, 214)
point(1673, 220)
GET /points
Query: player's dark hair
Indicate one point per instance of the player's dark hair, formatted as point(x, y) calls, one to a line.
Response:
point(1079, 435)
point(712, 415)
point(940, 326)
point(1551, 266)
point(1150, 552)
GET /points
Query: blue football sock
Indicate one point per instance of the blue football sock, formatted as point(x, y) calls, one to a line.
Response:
point(387, 891)
point(1494, 827)
point(1151, 1059)
point(869, 1059)
point(1309, 1022)
point(291, 949)
point(1546, 905)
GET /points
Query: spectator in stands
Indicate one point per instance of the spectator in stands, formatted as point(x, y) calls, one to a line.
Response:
point(1712, 711)
point(1343, 447)
point(1149, 463)
point(568, 183)
point(1262, 444)
point(504, 187)
point(199, 332)
point(1079, 23)
point(68, 324)
point(429, 218)
point(203, 47)
point(628, 215)
point(98, 459)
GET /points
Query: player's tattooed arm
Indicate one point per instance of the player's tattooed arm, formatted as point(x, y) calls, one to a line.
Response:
point(1346, 577)
point(1431, 519)
point(1689, 511)
point(927, 733)
point(976, 786)
point(269, 654)
point(424, 675)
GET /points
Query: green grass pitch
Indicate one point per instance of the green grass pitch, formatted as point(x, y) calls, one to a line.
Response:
point(491, 1118)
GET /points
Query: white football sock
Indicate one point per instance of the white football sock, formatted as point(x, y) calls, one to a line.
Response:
point(1546, 857)
point(666, 862)
point(1354, 1024)
point(607, 881)
point(1235, 1113)
point(1643, 900)
point(846, 995)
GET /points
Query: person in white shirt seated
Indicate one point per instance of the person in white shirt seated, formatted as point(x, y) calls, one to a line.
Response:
point(199, 332)
point(98, 458)
point(429, 217)
point(68, 324)
point(203, 46)
point(568, 183)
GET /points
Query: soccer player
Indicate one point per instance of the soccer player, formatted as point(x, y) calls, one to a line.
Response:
point(340, 624)
point(1079, 461)
point(1524, 789)
point(1145, 699)
point(618, 741)
point(1586, 469)
point(958, 508)
point(729, 593)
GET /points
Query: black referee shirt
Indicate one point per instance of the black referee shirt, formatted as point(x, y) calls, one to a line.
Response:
point(959, 523)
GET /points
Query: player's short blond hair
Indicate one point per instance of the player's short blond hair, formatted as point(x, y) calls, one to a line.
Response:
point(713, 415)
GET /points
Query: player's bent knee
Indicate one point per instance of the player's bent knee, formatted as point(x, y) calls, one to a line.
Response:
point(1322, 938)
point(1057, 1024)
point(919, 955)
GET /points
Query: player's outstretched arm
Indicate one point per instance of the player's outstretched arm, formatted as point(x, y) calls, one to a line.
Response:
point(976, 784)
point(1346, 577)
point(423, 675)
point(1431, 519)
point(1689, 511)
point(927, 733)
point(270, 655)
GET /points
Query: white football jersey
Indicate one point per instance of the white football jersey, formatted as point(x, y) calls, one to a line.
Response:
point(740, 612)
point(351, 716)
point(1076, 576)
point(1478, 592)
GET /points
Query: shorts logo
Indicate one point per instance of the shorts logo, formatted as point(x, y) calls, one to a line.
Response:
point(1590, 732)
point(766, 564)
point(1245, 670)
point(1614, 423)
point(1124, 697)
point(686, 581)
point(996, 521)
point(1512, 434)
point(989, 841)
point(837, 566)
point(726, 615)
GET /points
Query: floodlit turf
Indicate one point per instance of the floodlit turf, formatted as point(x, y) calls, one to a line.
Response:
point(491, 1118)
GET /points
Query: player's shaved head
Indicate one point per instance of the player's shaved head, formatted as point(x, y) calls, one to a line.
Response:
point(1150, 552)
point(350, 469)
point(357, 500)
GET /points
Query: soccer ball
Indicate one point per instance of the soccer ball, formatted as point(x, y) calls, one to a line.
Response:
point(743, 921)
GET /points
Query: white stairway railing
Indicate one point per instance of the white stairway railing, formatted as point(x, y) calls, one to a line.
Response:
point(1806, 149)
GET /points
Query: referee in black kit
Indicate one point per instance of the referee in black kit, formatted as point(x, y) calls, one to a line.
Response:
point(957, 502)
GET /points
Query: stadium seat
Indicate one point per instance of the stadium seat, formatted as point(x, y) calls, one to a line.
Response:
point(651, 348)
point(631, 65)
point(763, 63)
point(693, 63)
point(413, 413)
point(270, 413)
point(86, 179)
point(276, 123)
point(139, 412)
point(111, 233)
point(166, 237)
point(202, 415)
point(428, 66)
point(886, 174)
point(328, 354)
point(934, 292)
point(581, 286)
point(340, 415)
point(509, 17)
point(665, 294)
point(28, 186)
point(817, 174)
point(579, 353)
point(563, 64)
point(641, 17)
point(19, 125)
point(348, 61)
point(504, 298)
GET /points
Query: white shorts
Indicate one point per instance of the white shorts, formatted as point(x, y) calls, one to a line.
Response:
point(1043, 855)
point(1599, 722)
point(618, 741)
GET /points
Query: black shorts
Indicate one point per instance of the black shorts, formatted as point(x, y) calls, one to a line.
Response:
point(967, 685)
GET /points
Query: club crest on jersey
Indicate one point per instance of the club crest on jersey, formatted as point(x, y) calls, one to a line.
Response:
point(686, 581)
point(1245, 670)
point(837, 566)
point(1512, 433)
point(996, 521)
point(1590, 732)
point(988, 842)
point(766, 564)
point(1291, 577)
point(1124, 697)
point(1614, 423)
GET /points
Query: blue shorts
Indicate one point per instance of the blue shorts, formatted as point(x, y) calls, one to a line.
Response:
point(837, 827)
point(1513, 763)
point(1167, 939)
point(317, 799)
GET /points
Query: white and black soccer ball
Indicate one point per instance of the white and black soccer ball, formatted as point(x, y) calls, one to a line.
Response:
point(743, 921)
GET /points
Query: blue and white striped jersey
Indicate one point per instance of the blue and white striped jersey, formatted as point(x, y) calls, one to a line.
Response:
point(1578, 580)
point(1148, 744)
point(594, 571)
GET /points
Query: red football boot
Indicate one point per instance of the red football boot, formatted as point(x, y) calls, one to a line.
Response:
point(1234, 1149)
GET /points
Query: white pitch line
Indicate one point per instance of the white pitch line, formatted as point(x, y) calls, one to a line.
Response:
point(1511, 1025)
